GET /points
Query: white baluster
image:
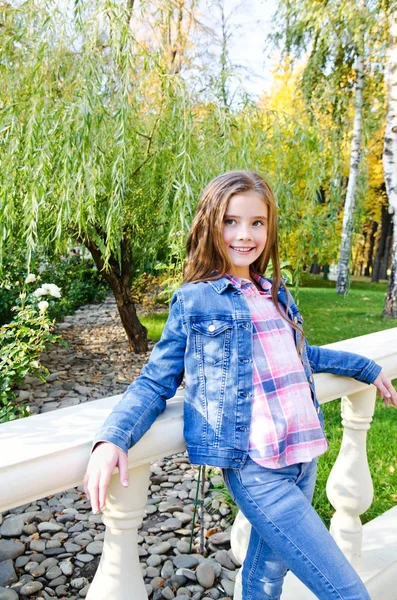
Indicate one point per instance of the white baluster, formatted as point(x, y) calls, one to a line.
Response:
point(119, 575)
point(239, 540)
point(349, 486)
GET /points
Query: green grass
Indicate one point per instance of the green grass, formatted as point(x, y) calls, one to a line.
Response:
point(330, 318)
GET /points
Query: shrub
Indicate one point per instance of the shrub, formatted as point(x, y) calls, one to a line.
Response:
point(21, 343)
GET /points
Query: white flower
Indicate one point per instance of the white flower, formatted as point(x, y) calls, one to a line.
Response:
point(40, 292)
point(52, 289)
point(43, 305)
point(31, 278)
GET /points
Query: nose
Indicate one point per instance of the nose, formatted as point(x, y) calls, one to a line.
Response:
point(244, 232)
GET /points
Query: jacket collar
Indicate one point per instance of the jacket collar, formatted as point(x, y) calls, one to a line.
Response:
point(223, 283)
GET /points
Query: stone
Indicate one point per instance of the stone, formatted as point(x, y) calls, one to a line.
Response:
point(37, 545)
point(49, 562)
point(8, 594)
point(168, 569)
point(154, 560)
point(183, 547)
point(85, 558)
point(220, 539)
point(95, 548)
point(171, 524)
point(223, 558)
point(205, 575)
point(12, 526)
point(188, 574)
point(167, 593)
point(10, 549)
point(7, 573)
point(21, 561)
point(150, 509)
point(161, 548)
point(31, 588)
point(71, 547)
point(84, 591)
point(36, 570)
point(79, 583)
point(66, 567)
point(228, 586)
point(48, 527)
point(61, 580)
point(53, 573)
point(62, 590)
point(185, 561)
point(152, 572)
point(183, 517)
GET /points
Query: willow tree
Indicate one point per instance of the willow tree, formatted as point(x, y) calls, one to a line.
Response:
point(341, 41)
point(390, 161)
point(99, 135)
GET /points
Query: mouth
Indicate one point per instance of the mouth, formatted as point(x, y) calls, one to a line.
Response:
point(242, 249)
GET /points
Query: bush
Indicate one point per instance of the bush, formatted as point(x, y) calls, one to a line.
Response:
point(80, 283)
point(21, 343)
point(76, 276)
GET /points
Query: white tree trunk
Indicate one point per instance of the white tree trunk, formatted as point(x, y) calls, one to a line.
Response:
point(355, 152)
point(390, 161)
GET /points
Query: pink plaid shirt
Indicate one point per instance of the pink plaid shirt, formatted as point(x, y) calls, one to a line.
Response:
point(285, 428)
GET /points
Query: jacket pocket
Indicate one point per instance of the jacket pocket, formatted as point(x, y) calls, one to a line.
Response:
point(212, 340)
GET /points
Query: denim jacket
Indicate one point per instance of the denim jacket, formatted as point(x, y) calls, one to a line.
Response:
point(208, 340)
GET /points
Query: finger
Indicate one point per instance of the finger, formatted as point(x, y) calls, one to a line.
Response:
point(106, 474)
point(381, 389)
point(123, 469)
point(392, 392)
point(93, 492)
point(85, 483)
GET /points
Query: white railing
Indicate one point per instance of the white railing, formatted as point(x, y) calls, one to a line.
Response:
point(48, 453)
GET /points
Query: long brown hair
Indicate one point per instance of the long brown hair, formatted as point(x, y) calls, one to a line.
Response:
point(207, 257)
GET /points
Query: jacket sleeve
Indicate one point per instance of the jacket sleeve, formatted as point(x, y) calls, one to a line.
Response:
point(146, 397)
point(338, 362)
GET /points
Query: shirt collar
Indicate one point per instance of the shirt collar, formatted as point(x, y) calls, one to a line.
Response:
point(241, 282)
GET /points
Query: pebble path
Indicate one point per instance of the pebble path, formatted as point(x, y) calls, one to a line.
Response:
point(51, 548)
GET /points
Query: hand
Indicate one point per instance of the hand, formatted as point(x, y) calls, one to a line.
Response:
point(104, 459)
point(386, 389)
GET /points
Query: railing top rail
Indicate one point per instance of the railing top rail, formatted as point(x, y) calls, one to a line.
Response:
point(48, 453)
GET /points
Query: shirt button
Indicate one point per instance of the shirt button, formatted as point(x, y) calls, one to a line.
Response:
point(211, 328)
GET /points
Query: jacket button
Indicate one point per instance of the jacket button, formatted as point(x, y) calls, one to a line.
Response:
point(236, 459)
point(242, 428)
point(211, 328)
point(311, 378)
point(318, 410)
point(244, 325)
point(295, 319)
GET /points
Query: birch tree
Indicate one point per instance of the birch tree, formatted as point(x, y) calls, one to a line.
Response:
point(355, 153)
point(390, 161)
point(335, 36)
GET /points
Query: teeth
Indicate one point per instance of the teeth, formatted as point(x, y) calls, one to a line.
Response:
point(241, 249)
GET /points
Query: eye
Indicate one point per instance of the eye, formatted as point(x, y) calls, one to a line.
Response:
point(229, 221)
point(257, 223)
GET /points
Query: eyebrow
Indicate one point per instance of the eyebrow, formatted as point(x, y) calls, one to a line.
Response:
point(238, 217)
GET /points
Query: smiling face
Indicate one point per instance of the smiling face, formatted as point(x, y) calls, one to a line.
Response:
point(245, 231)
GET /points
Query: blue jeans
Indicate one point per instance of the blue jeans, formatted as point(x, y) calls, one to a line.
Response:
point(287, 533)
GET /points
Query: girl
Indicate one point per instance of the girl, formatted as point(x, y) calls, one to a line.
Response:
point(250, 402)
